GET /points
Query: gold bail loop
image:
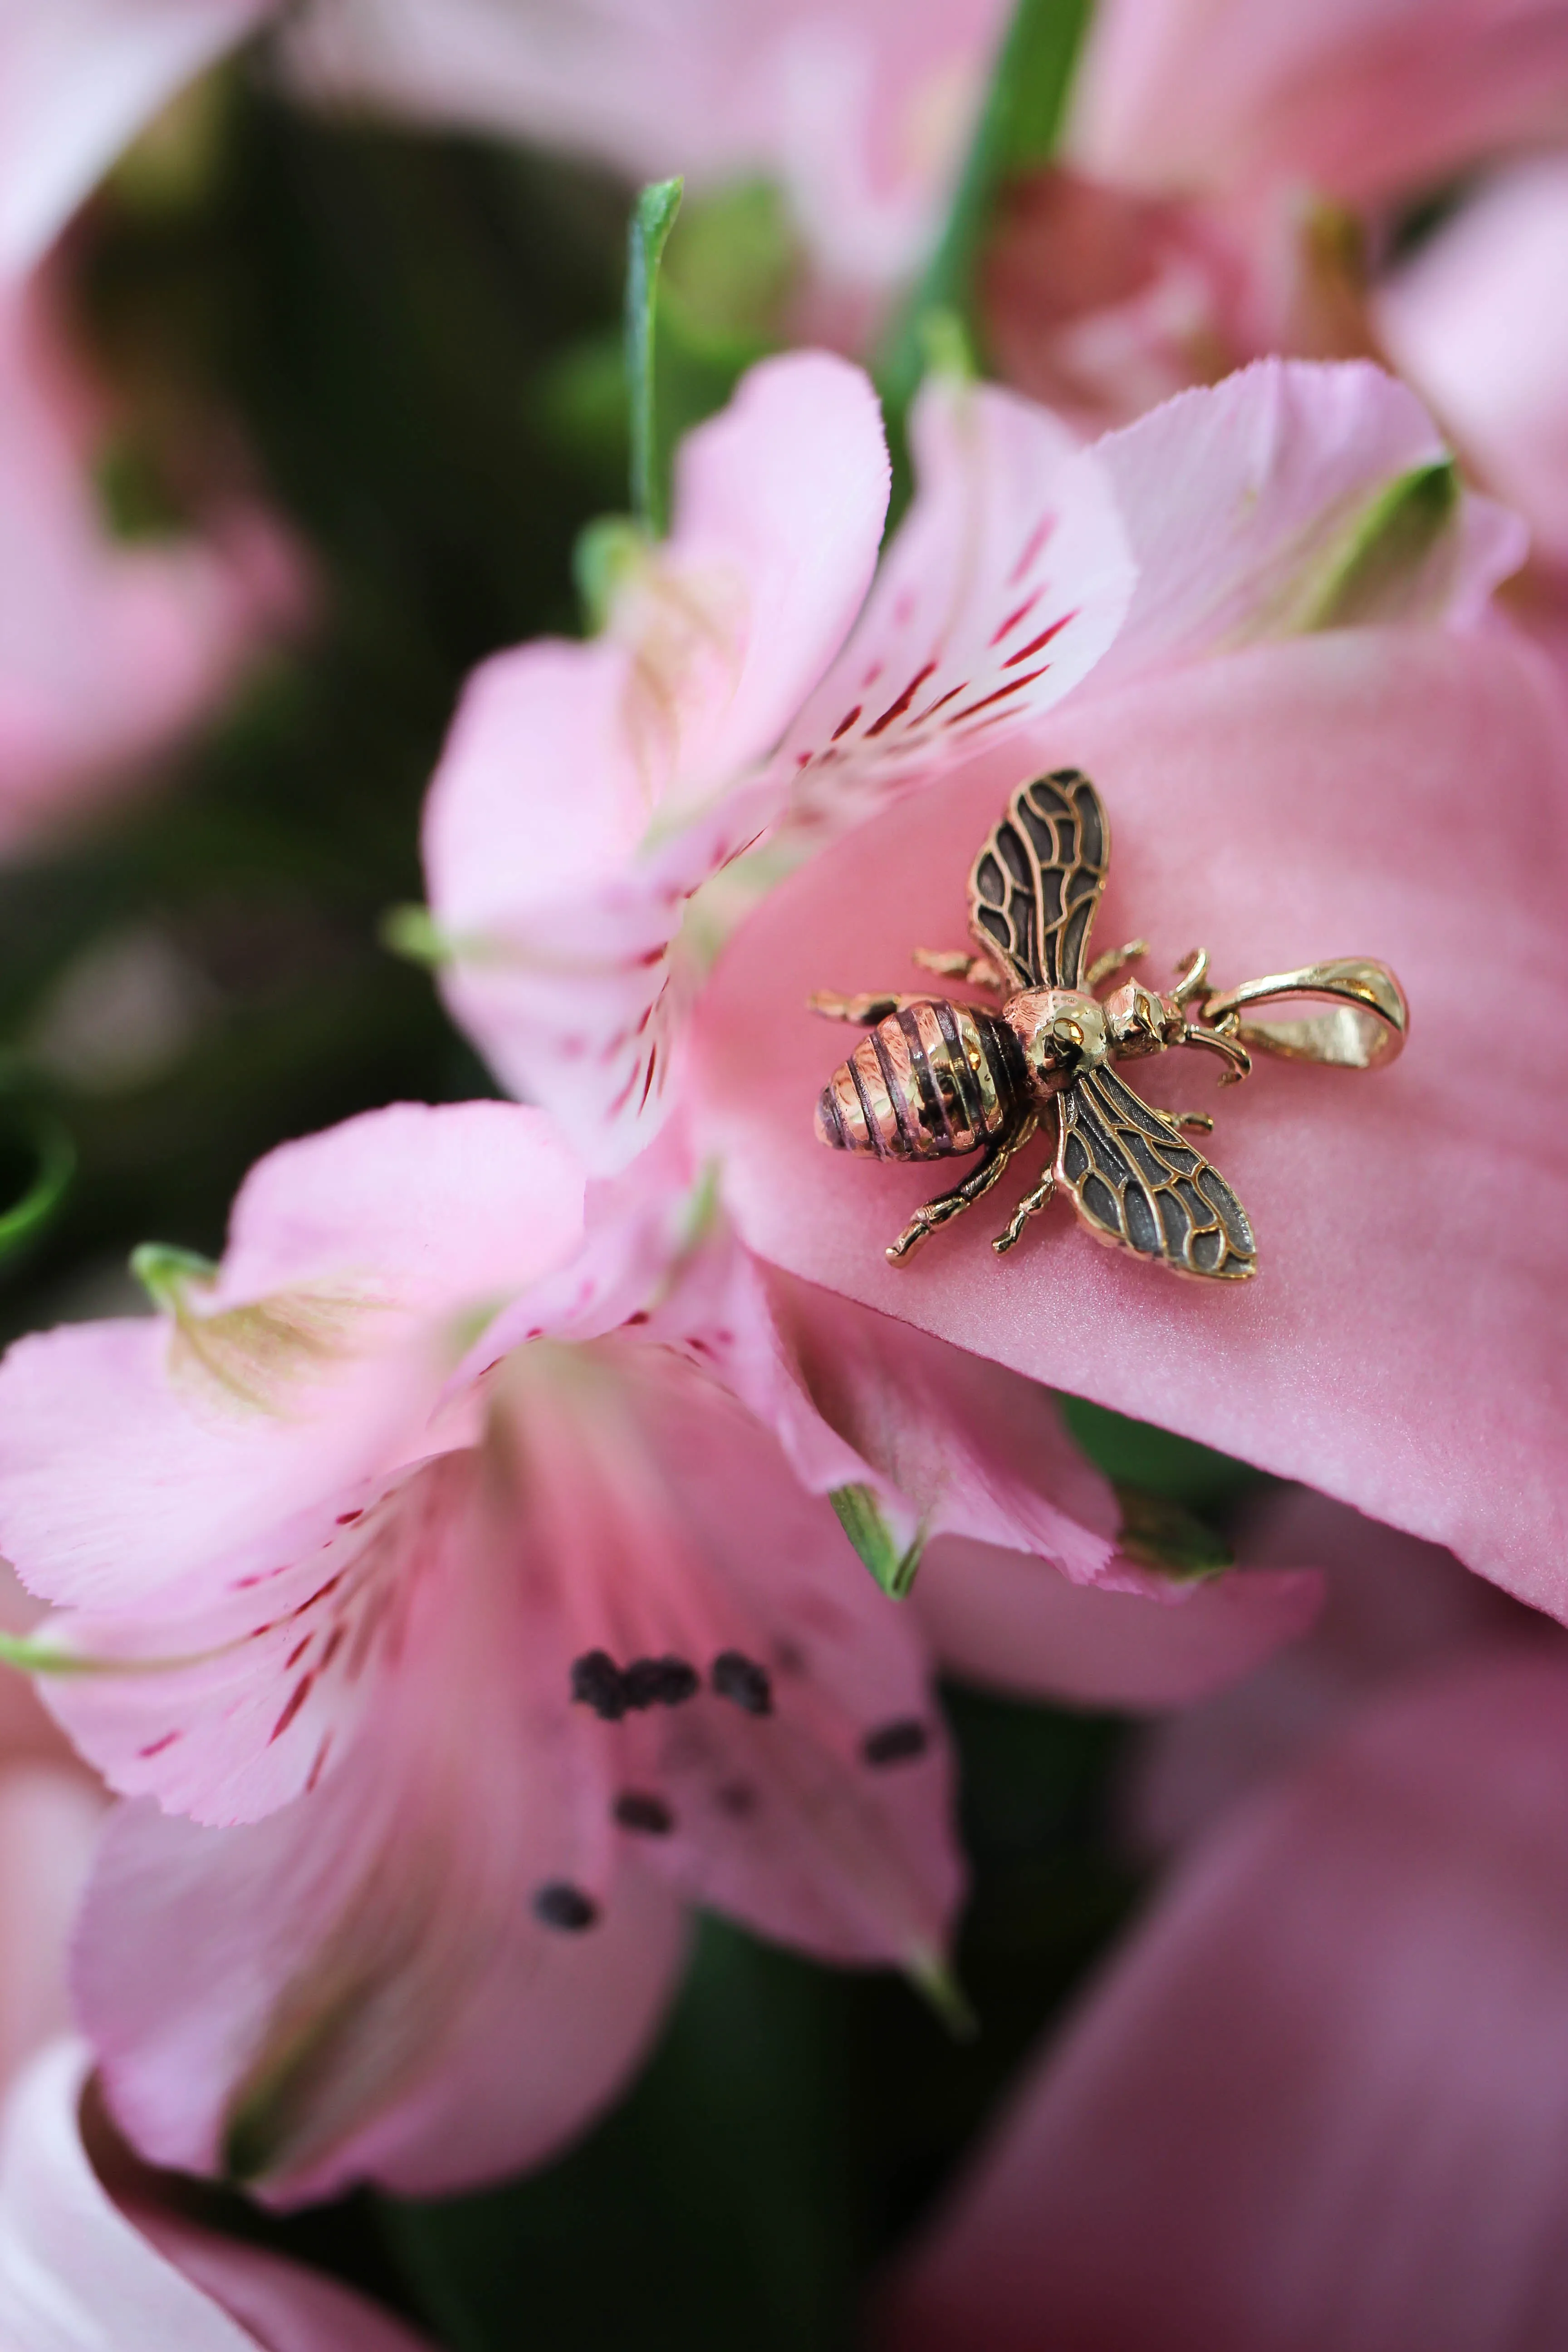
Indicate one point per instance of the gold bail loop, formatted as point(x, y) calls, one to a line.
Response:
point(1366, 1031)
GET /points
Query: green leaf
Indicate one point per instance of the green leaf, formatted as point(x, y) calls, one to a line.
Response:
point(166, 1273)
point(861, 1516)
point(1158, 1533)
point(606, 549)
point(652, 217)
point(53, 1155)
point(1156, 1461)
point(1383, 571)
point(1018, 129)
point(712, 2209)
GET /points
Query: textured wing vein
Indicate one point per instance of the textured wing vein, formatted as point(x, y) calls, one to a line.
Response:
point(1138, 1182)
point(1035, 885)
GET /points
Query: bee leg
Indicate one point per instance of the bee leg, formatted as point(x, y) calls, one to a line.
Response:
point(1105, 967)
point(1038, 1196)
point(865, 1012)
point(974, 1187)
point(957, 963)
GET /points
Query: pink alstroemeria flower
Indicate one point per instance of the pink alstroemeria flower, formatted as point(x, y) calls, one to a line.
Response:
point(107, 652)
point(477, 1668)
point(860, 113)
point(589, 793)
point(1321, 2097)
point(1394, 791)
point(1358, 100)
point(82, 2267)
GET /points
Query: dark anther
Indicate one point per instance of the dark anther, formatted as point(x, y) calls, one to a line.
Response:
point(659, 1682)
point(597, 1682)
point(736, 1677)
point(635, 1809)
point(559, 1903)
point(896, 1743)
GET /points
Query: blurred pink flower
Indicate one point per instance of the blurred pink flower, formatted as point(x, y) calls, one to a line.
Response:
point(1397, 791)
point(1321, 2097)
point(1473, 319)
point(82, 2266)
point(861, 111)
point(78, 79)
point(107, 652)
point(1358, 100)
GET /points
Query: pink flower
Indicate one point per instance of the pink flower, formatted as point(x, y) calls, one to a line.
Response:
point(1394, 789)
point(861, 113)
point(592, 797)
point(77, 80)
point(486, 1667)
point(1469, 320)
point(1358, 100)
point(107, 652)
point(1322, 2098)
point(82, 2267)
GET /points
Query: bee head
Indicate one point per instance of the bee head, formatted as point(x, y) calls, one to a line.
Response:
point(1141, 1023)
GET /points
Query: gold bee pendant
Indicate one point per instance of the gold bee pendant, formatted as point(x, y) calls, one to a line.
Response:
point(936, 1079)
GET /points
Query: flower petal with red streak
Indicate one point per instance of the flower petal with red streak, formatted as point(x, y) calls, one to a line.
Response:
point(1323, 2096)
point(587, 791)
point(1391, 793)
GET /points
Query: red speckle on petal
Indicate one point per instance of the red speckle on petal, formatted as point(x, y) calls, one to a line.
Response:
point(897, 709)
point(347, 1518)
point(156, 1747)
point(848, 721)
point(1015, 686)
point(315, 1771)
point(334, 1644)
point(1019, 613)
point(296, 1697)
point(932, 707)
point(297, 1653)
point(1036, 644)
point(1032, 547)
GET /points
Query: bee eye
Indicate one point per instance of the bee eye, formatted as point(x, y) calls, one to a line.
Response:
point(1067, 1030)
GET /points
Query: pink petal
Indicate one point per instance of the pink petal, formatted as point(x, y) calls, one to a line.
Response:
point(1391, 1604)
point(361, 1985)
point(77, 81)
point(1005, 585)
point(107, 652)
point(1465, 321)
point(945, 1441)
point(49, 1822)
point(1309, 799)
point(77, 2273)
point(681, 1532)
point(439, 1209)
point(1361, 98)
point(1323, 2098)
point(587, 791)
point(1243, 501)
point(997, 1617)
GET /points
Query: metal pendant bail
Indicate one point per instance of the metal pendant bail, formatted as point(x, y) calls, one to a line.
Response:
point(1366, 1031)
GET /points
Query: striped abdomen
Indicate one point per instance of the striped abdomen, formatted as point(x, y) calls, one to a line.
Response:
point(931, 1080)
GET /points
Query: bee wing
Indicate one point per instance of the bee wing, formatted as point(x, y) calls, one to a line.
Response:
point(1138, 1181)
point(1034, 887)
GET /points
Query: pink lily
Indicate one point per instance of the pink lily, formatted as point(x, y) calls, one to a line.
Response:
point(472, 1659)
point(1322, 2096)
point(82, 2266)
point(107, 652)
point(861, 114)
point(583, 829)
point(1279, 801)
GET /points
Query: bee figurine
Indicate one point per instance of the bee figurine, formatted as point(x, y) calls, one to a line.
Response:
point(936, 1079)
